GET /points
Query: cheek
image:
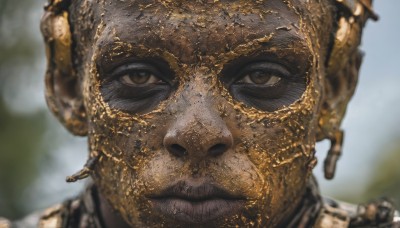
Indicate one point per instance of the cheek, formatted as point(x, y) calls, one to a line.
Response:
point(122, 188)
point(129, 141)
point(126, 172)
point(281, 155)
point(281, 147)
point(278, 139)
point(127, 144)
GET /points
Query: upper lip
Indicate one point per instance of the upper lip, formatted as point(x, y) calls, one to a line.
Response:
point(195, 192)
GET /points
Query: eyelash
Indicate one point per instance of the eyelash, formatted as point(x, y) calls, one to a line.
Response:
point(135, 67)
point(266, 67)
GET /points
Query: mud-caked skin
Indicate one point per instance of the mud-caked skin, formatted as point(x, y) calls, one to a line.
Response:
point(204, 113)
point(201, 113)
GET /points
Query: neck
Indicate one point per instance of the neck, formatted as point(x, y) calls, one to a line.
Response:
point(308, 209)
point(110, 217)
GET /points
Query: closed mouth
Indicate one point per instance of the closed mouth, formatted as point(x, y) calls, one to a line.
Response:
point(196, 203)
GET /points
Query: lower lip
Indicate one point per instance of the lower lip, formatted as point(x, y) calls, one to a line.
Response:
point(199, 211)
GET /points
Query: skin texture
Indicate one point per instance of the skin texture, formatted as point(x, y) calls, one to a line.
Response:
point(201, 125)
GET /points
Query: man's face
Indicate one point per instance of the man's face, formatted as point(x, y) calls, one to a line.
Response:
point(205, 113)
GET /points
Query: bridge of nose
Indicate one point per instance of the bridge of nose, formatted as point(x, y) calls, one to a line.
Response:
point(198, 126)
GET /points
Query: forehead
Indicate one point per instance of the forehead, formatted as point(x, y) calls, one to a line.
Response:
point(199, 6)
point(189, 29)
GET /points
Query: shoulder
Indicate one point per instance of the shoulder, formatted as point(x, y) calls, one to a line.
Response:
point(4, 223)
point(76, 213)
point(380, 213)
point(50, 217)
point(80, 212)
point(65, 215)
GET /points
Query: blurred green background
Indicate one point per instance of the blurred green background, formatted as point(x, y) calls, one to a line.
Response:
point(36, 153)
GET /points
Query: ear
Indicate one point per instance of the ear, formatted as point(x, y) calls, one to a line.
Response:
point(343, 64)
point(337, 94)
point(341, 75)
point(63, 92)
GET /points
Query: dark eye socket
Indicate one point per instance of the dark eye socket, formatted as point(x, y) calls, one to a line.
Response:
point(137, 87)
point(264, 85)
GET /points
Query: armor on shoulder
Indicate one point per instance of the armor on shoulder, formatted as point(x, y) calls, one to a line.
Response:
point(380, 213)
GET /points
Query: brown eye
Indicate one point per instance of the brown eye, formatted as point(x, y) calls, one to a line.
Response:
point(259, 77)
point(139, 78)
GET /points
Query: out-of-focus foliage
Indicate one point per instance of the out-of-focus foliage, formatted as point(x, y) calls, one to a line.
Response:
point(386, 179)
point(21, 143)
point(21, 133)
point(36, 153)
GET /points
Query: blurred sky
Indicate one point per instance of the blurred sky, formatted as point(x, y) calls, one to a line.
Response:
point(372, 121)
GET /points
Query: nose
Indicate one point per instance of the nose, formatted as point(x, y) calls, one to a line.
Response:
point(199, 133)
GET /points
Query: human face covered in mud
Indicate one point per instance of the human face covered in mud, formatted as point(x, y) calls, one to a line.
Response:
point(202, 112)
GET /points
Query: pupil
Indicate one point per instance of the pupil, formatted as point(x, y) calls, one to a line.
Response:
point(140, 77)
point(259, 77)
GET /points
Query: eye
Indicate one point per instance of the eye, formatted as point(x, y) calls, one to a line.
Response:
point(136, 78)
point(138, 87)
point(263, 74)
point(259, 77)
point(140, 74)
point(265, 85)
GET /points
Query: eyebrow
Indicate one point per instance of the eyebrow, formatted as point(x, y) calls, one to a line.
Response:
point(281, 41)
point(273, 40)
point(113, 51)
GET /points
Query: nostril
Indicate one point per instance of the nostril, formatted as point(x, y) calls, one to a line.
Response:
point(217, 149)
point(177, 150)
